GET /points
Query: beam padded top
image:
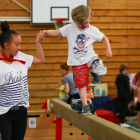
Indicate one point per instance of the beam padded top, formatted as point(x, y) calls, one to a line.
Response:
point(92, 125)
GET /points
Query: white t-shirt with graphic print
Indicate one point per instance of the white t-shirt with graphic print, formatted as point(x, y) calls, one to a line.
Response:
point(13, 83)
point(80, 43)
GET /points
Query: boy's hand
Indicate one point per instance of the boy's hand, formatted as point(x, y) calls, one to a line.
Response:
point(108, 54)
point(40, 36)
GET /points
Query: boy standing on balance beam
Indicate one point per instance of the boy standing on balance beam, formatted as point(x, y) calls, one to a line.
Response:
point(81, 55)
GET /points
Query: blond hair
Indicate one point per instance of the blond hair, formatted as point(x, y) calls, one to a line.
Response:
point(81, 13)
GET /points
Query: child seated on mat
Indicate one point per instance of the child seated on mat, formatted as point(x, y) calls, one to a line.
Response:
point(81, 55)
point(62, 95)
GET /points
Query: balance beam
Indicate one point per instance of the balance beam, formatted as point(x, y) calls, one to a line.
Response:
point(92, 125)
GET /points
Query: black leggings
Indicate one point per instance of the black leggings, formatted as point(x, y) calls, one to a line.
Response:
point(123, 110)
point(132, 95)
point(13, 124)
point(75, 96)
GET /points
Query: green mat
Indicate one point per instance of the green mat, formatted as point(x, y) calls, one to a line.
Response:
point(134, 128)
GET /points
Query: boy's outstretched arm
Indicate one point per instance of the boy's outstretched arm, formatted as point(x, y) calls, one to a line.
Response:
point(52, 32)
point(108, 48)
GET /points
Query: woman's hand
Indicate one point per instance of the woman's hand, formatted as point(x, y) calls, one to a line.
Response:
point(41, 36)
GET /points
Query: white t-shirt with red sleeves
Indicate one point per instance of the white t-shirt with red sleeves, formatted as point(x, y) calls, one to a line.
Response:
point(80, 43)
point(13, 83)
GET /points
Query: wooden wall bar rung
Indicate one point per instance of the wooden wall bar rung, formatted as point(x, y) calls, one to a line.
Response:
point(20, 1)
point(119, 58)
point(98, 51)
point(113, 6)
point(96, 5)
point(113, 1)
point(123, 32)
point(98, 15)
point(90, 1)
point(55, 73)
point(109, 65)
point(64, 46)
point(106, 25)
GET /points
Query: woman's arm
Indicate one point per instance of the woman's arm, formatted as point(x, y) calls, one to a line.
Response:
point(66, 90)
point(39, 58)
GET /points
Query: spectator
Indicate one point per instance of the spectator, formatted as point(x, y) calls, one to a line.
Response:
point(69, 83)
point(123, 93)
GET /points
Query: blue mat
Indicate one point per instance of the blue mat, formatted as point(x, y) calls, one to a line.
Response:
point(103, 102)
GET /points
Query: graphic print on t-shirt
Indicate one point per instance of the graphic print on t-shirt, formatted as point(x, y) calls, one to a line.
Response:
point(14, 90)
point(12, 78)
point(80, 50)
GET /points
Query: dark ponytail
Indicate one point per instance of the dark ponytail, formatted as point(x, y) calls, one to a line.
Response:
point(5, 26)
point(6, 34)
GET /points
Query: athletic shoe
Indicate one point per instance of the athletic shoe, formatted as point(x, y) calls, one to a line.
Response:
point(124, 125)
point(95, 78)
point(86, 110)
point(76, 104)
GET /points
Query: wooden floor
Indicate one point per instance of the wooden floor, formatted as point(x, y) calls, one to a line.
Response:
point(45, 129)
